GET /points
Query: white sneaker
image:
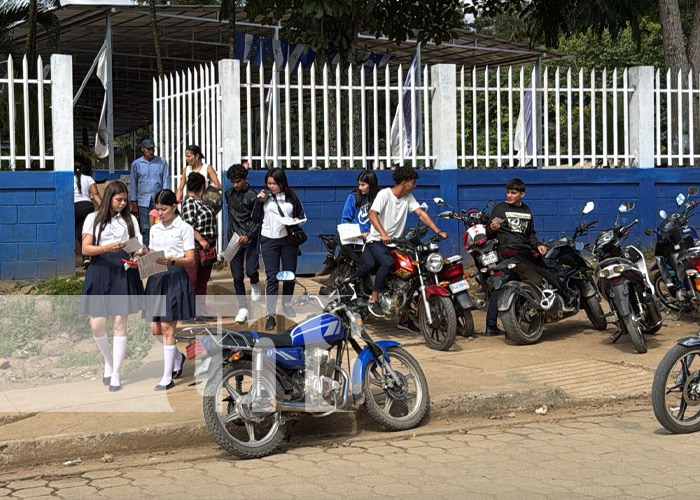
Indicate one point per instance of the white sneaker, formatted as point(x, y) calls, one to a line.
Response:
point(242, 315)
point(255, 292)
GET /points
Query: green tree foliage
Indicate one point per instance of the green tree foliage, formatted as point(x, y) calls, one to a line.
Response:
point(13, 13)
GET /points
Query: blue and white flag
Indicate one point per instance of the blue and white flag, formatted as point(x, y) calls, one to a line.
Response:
point(522, 142)
point(401, 130)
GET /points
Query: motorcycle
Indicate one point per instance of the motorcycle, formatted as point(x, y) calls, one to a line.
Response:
point(675, 392)
point(266, 381)
point(483, 251)
point(548, 288)
point(675, 257)
point(623, 280)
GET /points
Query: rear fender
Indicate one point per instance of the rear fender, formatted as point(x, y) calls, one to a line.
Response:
point(513, 288)
point(689, 341)
point(361, 362)
point(464, 301)
point(619, 295)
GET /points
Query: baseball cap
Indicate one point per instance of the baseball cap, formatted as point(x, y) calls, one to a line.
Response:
point(148, 143)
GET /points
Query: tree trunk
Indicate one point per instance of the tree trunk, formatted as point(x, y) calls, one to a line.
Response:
point(694, 40)
point(232, 29)
point(30, 49)
point(156, 38)
point(672, 33)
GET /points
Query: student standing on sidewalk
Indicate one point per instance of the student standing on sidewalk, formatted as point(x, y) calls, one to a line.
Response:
point(202, 218)
point(195, 163)
point(240, 199)
point(175, 238)
point(110, 289)
point(279, 200)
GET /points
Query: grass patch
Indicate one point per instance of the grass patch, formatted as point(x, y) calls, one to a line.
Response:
point(7, 347)
point(60, 286)
point(73, 359)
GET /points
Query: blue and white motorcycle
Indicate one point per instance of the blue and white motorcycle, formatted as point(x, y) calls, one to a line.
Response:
point(265, 381)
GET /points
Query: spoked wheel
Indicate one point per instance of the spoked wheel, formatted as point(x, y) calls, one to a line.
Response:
point(440, 335)
point(396, 405)
point(234, 423)
point(664, 294)
point(523, 322)
point(675, 393)
point(465, 322)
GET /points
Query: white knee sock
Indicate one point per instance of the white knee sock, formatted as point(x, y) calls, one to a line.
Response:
point(103, 346)
point(169, 352)
point(177, 363)
point(119, 350)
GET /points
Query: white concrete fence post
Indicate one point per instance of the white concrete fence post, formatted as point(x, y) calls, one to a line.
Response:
point(230, 83)
point(444, 115)
point(641, 127)
point(62, 111)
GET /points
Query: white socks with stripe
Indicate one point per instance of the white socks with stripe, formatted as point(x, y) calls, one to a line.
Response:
point(119, 350)
point(169, 353)
point(103, 345)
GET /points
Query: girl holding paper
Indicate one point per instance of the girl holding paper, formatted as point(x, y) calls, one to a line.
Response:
point(109, 288)
point(172, 298)
point(356, 210)
point(272, 205)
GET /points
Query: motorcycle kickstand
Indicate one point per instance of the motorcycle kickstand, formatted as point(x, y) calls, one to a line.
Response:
point(616, 336)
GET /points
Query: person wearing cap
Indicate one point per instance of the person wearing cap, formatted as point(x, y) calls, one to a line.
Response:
point(149, 175)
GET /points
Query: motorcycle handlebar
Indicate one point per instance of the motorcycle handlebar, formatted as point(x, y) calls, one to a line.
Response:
point(626, 228)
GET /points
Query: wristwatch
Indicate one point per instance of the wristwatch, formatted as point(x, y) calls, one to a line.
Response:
point(172, 261)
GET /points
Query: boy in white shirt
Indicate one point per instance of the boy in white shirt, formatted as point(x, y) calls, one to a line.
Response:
point(388, 217)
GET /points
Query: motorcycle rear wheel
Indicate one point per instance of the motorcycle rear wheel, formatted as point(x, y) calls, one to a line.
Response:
point(664, 294)
point(441, 334)
point(595, 313)
point(522, 324)
point(234, 432)
point(465, 322)
point(653, 317)
point(634, 330)
point(396, 408)
point(676, 389)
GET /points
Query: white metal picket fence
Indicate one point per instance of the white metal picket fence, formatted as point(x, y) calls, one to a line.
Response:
point(24, 113)
point(676, 118)
point(187, 111)
point(507, 118)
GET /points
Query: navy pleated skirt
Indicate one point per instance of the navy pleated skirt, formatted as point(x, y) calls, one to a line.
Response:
point(109, 289)
point(169, 296)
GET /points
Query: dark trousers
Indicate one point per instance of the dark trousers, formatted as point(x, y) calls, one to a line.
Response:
point(145, 224)
point(249, 255)
point(375, 255)
point(199, 275)
point(82, 210)
point(274, 251)
point(492, 311)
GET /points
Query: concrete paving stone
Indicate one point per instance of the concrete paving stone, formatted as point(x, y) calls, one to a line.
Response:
point(319, 456)
point(506, 438)
point(522, 495)
point(4, 492)
point(33, 492)
point(597, 491)
point(444, 458)
point(26, 483)
point(670, 480)
point(121, 492)
point(346, 450)
point(148, 482)
point(305, 450)
point(447, 444)
point(140, 473)
point(425, 451)
point(615, 480)
point(184, 472)
point(647, 490)
point(270, 472)
point(386, 451)
point(396, 490)
point(175, 466)
point(302, 490)
point(109, 482)
point(99, 474)
point(68, 482)
point(78, 492)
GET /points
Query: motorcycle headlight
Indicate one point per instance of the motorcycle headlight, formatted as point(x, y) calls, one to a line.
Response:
point(434, 263)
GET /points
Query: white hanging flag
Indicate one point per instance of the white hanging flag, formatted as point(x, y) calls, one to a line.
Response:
point(102, 137)
point(522, 142)
point(401, 130)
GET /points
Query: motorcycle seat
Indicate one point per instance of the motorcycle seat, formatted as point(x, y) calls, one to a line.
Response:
point(550, 263)
point(278, 339)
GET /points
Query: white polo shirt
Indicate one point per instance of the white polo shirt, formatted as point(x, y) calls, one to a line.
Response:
point(114, 232)
point(174, 240)
point(271, 225)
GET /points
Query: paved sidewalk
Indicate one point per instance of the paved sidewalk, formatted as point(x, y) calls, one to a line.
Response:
point(486, 375)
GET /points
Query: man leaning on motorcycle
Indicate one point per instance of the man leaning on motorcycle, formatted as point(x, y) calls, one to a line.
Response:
point(388, 217)
point(512, 223)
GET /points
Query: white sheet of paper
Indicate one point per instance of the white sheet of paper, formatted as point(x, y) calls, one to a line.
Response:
point(132, 245)
point(231, 249)
point(350, 234)
point(289, 221)
point(148, 265)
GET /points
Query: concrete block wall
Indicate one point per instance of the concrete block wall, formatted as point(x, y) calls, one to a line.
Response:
point(36, 225)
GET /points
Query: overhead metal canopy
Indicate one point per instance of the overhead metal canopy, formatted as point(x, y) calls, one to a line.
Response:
point(192, 35)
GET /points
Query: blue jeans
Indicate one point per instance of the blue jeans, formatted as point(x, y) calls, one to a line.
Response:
point(144, 224)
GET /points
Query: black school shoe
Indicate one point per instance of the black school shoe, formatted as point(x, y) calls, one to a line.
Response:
point(270, 323)
point(409, 326)
point(494, 331)
point(178, 373)
point(164, 387)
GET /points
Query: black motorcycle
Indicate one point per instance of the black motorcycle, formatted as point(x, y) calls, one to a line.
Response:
point(623, 280)
point(546, 289)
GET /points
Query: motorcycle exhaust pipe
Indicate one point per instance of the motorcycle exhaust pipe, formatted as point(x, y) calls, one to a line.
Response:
point(480, 303)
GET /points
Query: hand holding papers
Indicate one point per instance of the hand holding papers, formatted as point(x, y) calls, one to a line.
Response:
point(289, 221)
point(148, 265)
point(350, 234)
point(132, 245)
point(231, 249)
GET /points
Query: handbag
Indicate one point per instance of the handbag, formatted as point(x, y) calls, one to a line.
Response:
point(295, 234)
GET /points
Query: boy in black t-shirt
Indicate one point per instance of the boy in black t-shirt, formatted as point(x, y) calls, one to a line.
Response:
point(516, 217)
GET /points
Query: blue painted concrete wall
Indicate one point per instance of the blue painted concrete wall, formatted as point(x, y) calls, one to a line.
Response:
point(555, 196)
point(36, 225)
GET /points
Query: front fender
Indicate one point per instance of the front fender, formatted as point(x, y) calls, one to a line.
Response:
point(464, 301)
point(358, 368)
point(619, 295)
point(431, 290)
point(513, 288)
point(689, 341)
point(587, 289)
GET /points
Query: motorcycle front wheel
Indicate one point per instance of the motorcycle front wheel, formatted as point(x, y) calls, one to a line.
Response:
point(664, 294)
point(440, 335)
point(522, 322)
point(595, 313)
point(396, 406)
point(675, 393)
point(233, 425)
point(634, 330)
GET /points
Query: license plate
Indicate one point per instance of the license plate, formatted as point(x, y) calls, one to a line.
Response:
point(460, 286)
point(489, 258)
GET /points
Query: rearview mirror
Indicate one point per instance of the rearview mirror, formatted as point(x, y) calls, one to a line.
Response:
point(588, 208)
point(626, 207)
point(663, 214)
point(692, 191)
point(285, 276)
point(439, 201)
point(579, 246)
point(680, 199)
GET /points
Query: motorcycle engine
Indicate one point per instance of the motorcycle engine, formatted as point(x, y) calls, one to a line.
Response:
point(318, 383)
point(394, 297)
